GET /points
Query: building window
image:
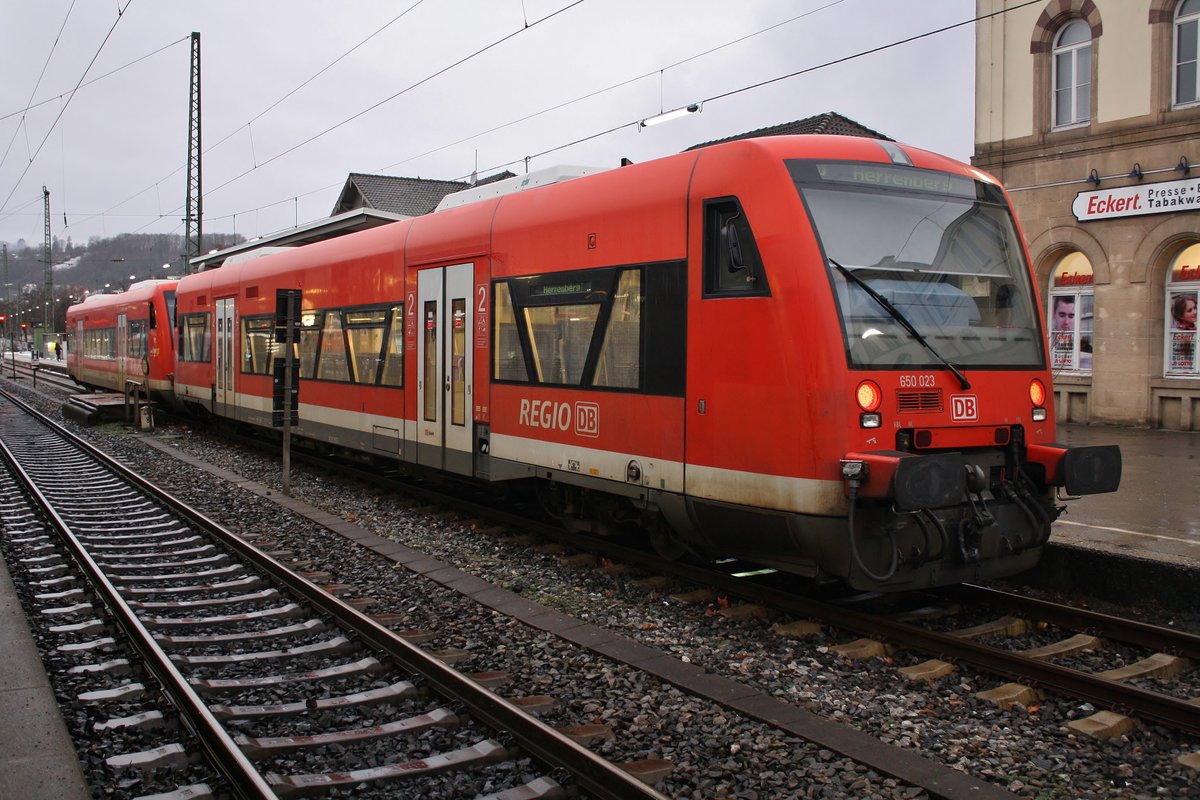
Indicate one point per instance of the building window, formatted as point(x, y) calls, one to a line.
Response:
point(1183, 295)
point(1071, 314)
point(1072, 98)
point(1187, 43)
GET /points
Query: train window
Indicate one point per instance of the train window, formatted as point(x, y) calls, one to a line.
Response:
point(560, 337)
point(430, 370)
point(195, 337)
point(100, 343)
point(392, 373)
point(732, 266)
point(458, 362)
point(257, 333)
point(169, 302)
point(310, 337)
point(137, 338)
point(364, 332)
point(620, 356)
point(331, 356)
point(507, 354)
point(911, 249)
point(613, 328)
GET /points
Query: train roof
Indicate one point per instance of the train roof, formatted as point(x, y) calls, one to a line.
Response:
point(139, 291)
point(465, 225)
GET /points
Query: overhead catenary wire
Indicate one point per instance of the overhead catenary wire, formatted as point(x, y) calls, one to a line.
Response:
point(94, 80)
point(760, 84)
point(37, 83)
point(716, 97)
point(575, 141)
point(246, 125)
point(551, 109)
point(400, 93)
point(120, 14)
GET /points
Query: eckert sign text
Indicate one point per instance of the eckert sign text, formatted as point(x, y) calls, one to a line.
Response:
point(1132, 201)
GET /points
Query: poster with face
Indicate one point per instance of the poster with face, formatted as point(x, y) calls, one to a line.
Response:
point(1183, 311)
point(1062, 332)
point(1063, 315)
point(1182, 308)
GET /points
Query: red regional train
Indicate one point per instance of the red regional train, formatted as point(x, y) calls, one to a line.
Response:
point(125, 336)
point(820, 353)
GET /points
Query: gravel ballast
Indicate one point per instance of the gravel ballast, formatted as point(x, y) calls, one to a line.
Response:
point(1028, 751)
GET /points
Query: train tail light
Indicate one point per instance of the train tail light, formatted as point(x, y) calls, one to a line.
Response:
point(869, 396)
point(1037, 396)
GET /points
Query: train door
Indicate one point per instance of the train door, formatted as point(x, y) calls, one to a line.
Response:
point(76, 350)
point(122, 350)
point(444, 384)
point(224, 341)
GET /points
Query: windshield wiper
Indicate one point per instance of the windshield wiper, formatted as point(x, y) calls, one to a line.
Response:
point(898, 315)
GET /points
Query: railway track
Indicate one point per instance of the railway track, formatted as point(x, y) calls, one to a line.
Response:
point(988, 647)
point(259, 660)
point(51, 374)
point(907, 633)
point(1033, 671)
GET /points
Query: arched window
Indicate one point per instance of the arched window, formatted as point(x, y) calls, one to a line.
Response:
point(1072, 100)
point(1187, 45)
point(1071, 314)
point(1183, 295)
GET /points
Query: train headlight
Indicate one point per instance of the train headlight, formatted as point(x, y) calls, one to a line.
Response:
point(1037, 396)
point(869, 396)
point(1037, 392)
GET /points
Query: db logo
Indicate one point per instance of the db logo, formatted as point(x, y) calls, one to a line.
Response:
point(587, 419)
point(964, 407)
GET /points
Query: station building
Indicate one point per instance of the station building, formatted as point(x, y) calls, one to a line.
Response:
point(1089, 112)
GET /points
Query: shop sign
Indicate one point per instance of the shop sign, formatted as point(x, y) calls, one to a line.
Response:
point(1132, 201)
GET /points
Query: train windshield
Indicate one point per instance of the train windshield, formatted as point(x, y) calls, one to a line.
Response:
point(940, 249)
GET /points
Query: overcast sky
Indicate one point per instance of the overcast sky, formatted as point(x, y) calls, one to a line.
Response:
point(440, 87)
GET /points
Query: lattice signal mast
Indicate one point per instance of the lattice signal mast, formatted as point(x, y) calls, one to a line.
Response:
point(193, 225)
point(48, 275)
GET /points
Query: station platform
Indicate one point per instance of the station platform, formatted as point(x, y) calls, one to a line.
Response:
point(1155, 513)
point(1139, 545)
point(37, 757)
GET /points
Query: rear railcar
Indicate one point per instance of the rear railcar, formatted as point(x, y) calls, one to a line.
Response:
point(125, 338)
point(349, 341)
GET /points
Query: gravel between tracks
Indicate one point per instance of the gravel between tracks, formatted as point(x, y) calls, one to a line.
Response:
point(716, 753)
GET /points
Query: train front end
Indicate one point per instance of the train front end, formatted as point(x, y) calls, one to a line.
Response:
point(950, 467)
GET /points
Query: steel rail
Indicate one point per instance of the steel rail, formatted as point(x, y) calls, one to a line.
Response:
point(598, 776)
point(1176, 642)
point(221, 749)
point(1178, 714)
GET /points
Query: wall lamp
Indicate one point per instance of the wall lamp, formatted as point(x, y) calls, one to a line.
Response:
point(1183, 165)
point(1136, 172)
point(1093, 178)
point(667, 116)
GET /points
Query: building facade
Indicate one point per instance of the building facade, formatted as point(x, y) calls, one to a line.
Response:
point(1089, 112)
